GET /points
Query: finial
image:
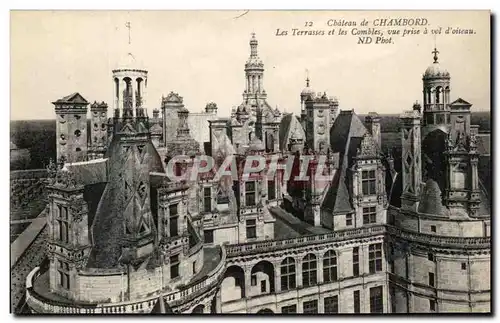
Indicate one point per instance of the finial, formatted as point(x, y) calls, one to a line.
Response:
point(307, 78)
point(127, 24)
point(435, 52)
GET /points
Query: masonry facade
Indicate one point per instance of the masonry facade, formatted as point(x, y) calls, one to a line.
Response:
point(364, 237)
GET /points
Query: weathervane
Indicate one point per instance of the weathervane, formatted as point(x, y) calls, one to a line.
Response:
point(127, 24)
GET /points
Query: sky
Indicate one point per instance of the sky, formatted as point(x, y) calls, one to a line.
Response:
point(201, 56)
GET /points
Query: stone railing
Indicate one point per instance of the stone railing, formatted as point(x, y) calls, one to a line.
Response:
point(442, 241)
point(40, 304)
point(266, 246)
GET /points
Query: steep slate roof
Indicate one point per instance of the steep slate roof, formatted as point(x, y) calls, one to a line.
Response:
point(288, 124)
point(345, 137)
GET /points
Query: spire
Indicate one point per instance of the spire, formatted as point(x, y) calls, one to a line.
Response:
point(253, 46)
point(307, 78)
point(435, 52)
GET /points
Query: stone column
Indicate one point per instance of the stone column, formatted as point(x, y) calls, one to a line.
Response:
point(298, 271)
point(132, 88)
point(277, 276)
point(248, 280)
point(319, 258)
point(120, 94)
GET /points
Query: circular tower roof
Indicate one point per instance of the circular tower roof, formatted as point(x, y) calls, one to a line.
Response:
point(435, 70)
point(307, 90)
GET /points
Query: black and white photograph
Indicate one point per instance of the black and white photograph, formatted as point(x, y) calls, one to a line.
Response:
point(246, 162)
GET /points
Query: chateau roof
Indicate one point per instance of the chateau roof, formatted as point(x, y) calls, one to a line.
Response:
point(288, 124)
point(345, 136)
point(73, 98)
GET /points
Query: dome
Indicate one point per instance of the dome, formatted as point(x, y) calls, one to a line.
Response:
point(436, 70)
point(256, 145)
point(129, 61)
point(307, 90)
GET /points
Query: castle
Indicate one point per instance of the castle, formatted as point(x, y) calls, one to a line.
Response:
point(123, 237)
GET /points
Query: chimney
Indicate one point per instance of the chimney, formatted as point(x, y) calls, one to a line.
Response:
point(373, 123)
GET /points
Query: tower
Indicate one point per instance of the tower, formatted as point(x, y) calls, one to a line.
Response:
point(71, 128)
point(68, 239)
point(436, 97)
point(462, 193)
point(411, 168)
point(254, 92)
point(98, 129)
point(306, 92)
point(317, 124)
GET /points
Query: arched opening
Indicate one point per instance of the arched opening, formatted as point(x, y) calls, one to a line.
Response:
point(439, 96)
point(309, 270)
point(138, 92)
point(200, 309)
point(446, 95)
point(127, 93)
point(233, 285)
point(117, 88)
point(269, 142)
point(262, 278)
point(265, 311)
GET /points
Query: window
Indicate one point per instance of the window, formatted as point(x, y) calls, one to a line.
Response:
point(310, 307)
point(250, 193)
point(330, 266)
point(208, 236)
point(174, 266)
point(63, 269)
point(433, 228)
point(348, 220)
point(288, 274)
point(432, 305)
point(357, 305)
point(263, 287)
point(464, 266)
point(440, 118)
point(207, 199)
point(309, 273)
point(430, 256)
point(376, 300)
point(375, 257)
point(355, 261)
point(369, 215)
point(271, 190)
point(431, 279)
point(251, 229)
point(174, 218)
point(289, 309)
point(368, 180)
point(253, 280)
point(78, 133)
point(194, 267)
point(429, 119)
point(63, 222)
point(332, 304)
